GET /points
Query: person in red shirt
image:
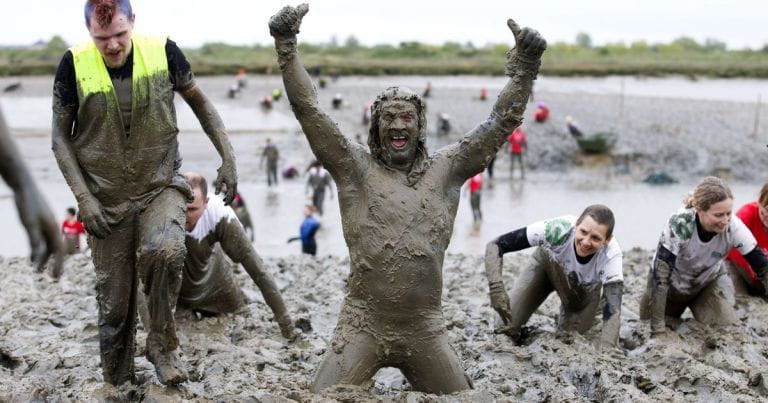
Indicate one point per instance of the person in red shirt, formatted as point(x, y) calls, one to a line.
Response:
point(475, 185)
point(755, 217)
point(71, 228)
point(517, 142)
point(542, 112)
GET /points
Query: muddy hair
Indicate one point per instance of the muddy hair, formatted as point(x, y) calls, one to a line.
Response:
point(374, 141)
point(763, 198)
point(602, 215)
point(709, 191)
point(196, 180)
point(105, 11)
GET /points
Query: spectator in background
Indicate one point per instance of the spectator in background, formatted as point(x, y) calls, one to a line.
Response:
point(542, 112)
point(72, 229)
point(517, 143)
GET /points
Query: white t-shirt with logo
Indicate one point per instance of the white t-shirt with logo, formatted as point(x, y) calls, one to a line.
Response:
point(556, 236)
point(698, 262)
point(215, 212)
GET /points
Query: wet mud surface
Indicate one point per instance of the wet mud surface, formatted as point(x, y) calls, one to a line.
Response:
point(49, 345)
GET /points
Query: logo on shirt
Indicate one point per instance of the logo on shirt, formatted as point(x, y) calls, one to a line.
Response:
point(556, 231)
point(682, 225)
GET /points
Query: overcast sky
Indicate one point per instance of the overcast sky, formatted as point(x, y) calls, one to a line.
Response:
point(739, 23)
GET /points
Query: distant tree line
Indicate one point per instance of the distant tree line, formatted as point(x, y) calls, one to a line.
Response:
point(683, 55)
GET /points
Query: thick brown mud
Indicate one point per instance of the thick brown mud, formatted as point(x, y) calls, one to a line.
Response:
point(49, 346)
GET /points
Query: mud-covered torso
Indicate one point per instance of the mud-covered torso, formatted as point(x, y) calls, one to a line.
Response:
point(213, 227)
point(556, 237)
point(397, 235)
point(124, 137)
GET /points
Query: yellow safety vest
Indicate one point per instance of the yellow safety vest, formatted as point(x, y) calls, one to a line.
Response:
point(118, 168)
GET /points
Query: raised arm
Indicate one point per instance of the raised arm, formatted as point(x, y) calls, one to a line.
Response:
point(472, 153)
point(513, 241)
point(44, 239)
point(234, 241)
point(214, 128)
point(324, 137)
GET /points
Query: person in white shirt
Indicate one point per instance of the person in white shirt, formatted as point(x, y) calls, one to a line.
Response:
point(576, 258)
point(688, 270)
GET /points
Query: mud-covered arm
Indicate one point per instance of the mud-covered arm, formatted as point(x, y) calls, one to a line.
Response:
point(324, 137)
point(512, 241)
point(662, 272)
point(234, 241)
point(613, 293)
point(65, 105)
point(480, 145)
point(35, 215)
point(759, 263)
point(214, 128)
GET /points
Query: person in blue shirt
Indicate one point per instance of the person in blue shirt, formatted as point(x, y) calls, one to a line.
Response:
point(307, 232)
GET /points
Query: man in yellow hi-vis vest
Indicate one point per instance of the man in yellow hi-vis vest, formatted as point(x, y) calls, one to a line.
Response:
point(114, 137)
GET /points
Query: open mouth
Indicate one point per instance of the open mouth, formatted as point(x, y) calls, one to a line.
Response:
point(399, 142)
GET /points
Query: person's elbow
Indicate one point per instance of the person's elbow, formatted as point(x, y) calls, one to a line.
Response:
point(492, 248)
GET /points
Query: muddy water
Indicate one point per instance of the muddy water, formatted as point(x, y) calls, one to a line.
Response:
point(641, 211)
point(684, 134)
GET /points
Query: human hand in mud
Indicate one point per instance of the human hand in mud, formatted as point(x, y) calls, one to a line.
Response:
point(529, 44)
point(500, 303)
point(286, 23)
point(93, 218)
point(226, 182)
point(44, 239)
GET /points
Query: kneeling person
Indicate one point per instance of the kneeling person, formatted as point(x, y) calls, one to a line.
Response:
point(688, 269)
point(576, 258)
point(208, 284)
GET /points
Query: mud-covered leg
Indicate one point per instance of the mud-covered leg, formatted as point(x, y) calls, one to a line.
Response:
point(160, 258)
point(318, 197)
point(351, 362)
point(714, 304)
point(116, 287)
point(531, 288)
point(435, 368)
point(742, 283)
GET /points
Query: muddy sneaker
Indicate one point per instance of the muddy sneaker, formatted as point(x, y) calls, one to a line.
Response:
point(169, 367)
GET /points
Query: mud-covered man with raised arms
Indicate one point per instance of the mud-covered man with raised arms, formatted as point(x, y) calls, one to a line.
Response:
point(398, 206)
point(114, 137)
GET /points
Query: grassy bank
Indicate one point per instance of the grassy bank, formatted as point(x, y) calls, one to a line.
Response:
point(683, 56)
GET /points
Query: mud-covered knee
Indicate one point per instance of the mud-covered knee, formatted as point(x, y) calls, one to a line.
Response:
point(165, 252)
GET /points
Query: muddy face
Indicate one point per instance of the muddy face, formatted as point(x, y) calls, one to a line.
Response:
point(399, 134)
point(590, 237)
point(717, 217)
point(114, 41)
point(195, 209)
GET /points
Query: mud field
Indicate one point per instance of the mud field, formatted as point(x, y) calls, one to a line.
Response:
point(48, 331)
point(49, 348)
